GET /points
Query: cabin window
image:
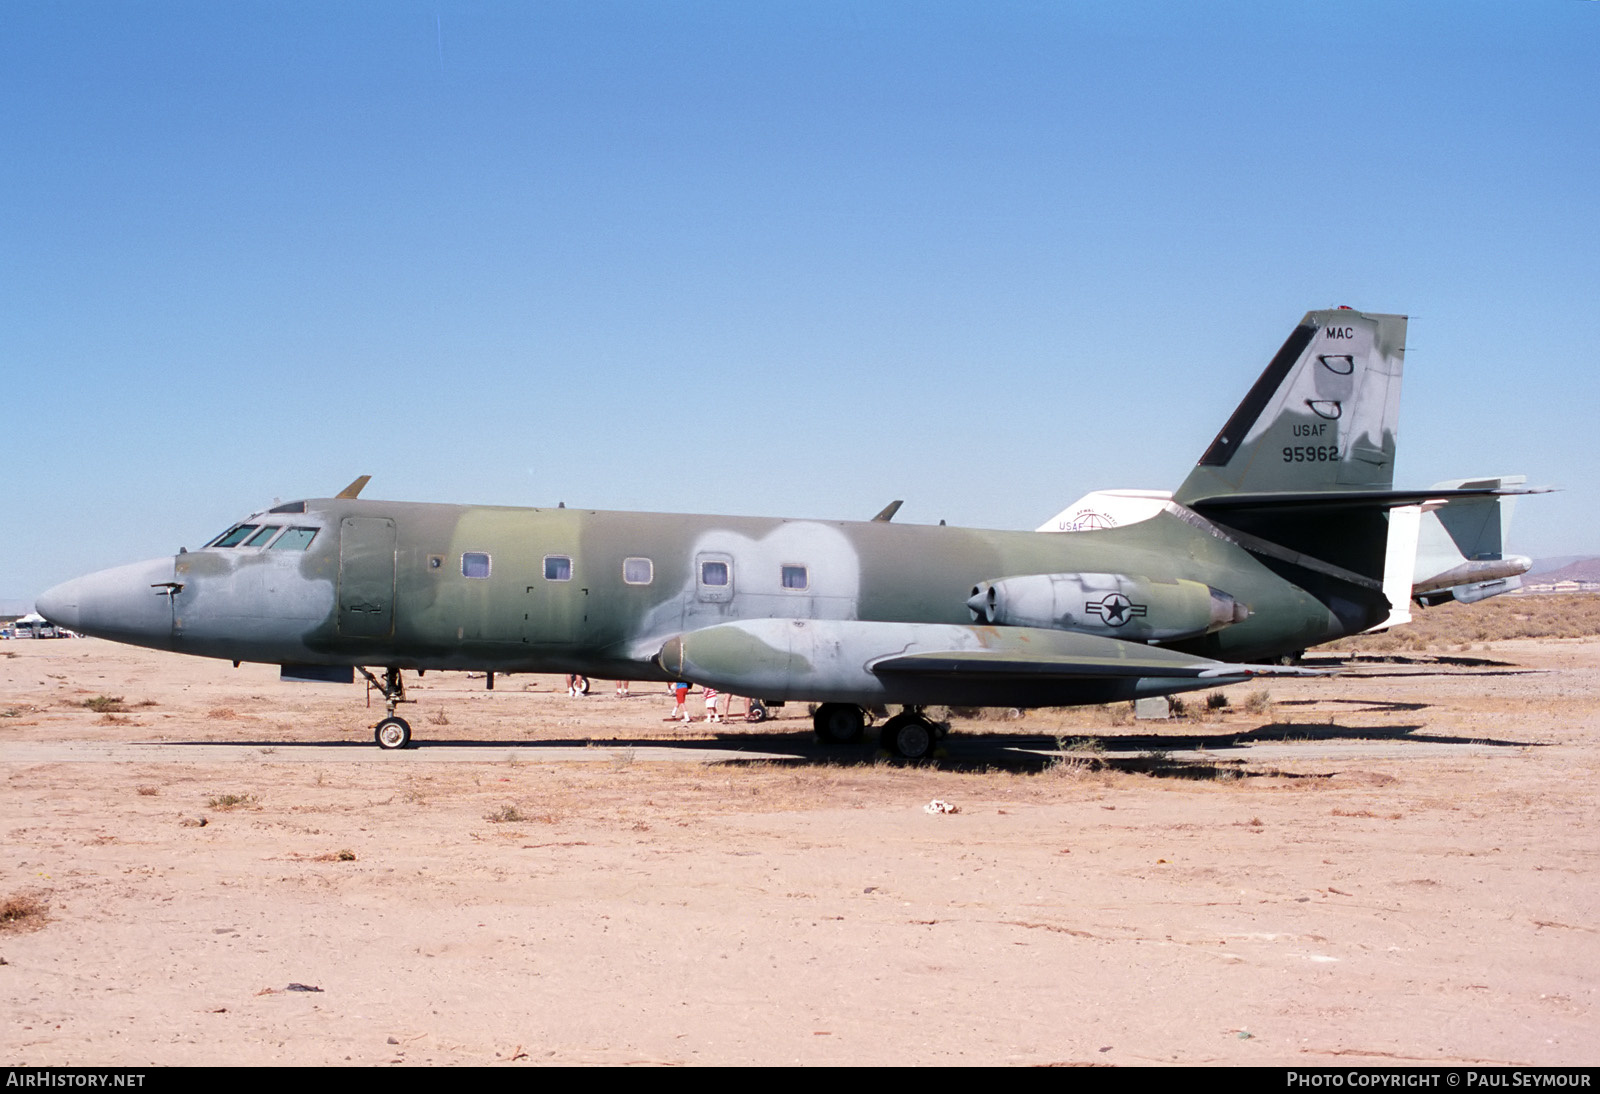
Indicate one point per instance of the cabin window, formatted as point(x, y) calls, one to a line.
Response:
point(637, 571)
point(713, 573)
point(261, 537)
point(794, 577)
point(475, 564)
point(235, 537)
point(557, 568)
point(295, 539)
point(291, 507)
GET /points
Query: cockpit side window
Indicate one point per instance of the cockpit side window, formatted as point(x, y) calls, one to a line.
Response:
point(235, 536)
point(261, 537)
point(295, 539)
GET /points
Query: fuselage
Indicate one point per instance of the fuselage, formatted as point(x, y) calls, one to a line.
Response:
point(428, 586)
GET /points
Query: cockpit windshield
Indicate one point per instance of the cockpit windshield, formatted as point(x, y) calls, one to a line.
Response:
point(233, 536)
point(261, 535)
point(295, 539)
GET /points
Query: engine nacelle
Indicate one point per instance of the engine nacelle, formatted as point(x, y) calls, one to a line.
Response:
point(1138, 609)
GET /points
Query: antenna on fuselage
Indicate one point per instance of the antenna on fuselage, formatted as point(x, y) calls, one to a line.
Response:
point(354, 489)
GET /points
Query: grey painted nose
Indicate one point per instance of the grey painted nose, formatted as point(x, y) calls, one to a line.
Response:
point(125, 604)
point(60, 605)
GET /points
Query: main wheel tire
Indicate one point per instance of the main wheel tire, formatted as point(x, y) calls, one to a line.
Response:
point(583, 685)
point(910, 736)
point(757, 711)
point(838, 723)
point(392, 734)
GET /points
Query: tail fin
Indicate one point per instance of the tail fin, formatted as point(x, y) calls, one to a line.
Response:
point(1321, 417)
point(1303, 468)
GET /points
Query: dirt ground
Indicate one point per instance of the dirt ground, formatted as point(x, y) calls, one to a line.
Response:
point(1396, 864)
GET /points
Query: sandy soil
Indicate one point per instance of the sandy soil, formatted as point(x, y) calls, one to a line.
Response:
point(1399, 864)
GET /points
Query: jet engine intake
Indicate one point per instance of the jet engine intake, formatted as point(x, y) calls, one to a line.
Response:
point(1126, 606)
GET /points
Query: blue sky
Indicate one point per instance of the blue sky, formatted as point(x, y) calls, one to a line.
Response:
point(769, 258)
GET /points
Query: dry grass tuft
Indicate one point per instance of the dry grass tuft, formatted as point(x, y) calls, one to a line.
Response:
point(222, 713)
point(506, 814)
point(23, 912)
point(1258, 702)
point(1079, 756)
point(105, 704)
point(233, 801)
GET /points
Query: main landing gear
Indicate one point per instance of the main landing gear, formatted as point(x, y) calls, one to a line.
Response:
point(839, 723)
point(910, 734)
point(393, 732)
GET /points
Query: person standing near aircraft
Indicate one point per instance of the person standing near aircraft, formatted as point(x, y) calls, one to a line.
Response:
point(680, 694)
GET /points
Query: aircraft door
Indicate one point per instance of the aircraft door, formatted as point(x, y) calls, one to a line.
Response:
point(366, 577)
point(556, 603)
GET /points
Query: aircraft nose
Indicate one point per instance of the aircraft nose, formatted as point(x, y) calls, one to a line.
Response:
point(125, 604)
point(60, 604)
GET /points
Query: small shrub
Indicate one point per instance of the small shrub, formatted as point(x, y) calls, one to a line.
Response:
point(231, 801)
point(23, 912)
point(105, 704)
point(506, 814)
point(1217, 700)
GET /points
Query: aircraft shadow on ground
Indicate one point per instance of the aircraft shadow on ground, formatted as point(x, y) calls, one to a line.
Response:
point(1133, 752)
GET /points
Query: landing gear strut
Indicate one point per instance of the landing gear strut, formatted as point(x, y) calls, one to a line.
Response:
point(391, 733)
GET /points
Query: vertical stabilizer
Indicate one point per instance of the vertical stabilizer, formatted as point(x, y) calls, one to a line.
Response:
point(1322, 417)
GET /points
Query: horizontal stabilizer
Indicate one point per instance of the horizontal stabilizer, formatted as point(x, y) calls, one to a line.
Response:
point(1353, 499)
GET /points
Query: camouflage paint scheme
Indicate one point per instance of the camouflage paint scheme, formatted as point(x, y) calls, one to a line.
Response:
point(1274, 543)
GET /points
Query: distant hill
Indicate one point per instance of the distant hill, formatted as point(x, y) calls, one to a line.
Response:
point(1568, 569)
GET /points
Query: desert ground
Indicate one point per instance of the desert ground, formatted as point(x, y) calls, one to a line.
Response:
point(201, 864)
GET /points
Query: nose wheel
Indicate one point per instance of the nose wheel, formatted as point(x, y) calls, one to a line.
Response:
point(392, 733)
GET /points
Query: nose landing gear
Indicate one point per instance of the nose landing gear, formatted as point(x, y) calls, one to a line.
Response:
point(393, 732)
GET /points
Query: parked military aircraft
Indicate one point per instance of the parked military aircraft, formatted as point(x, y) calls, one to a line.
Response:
point(1278, 540)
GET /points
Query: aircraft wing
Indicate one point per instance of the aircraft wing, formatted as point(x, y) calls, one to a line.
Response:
point(997, 665)
point(925, 663)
